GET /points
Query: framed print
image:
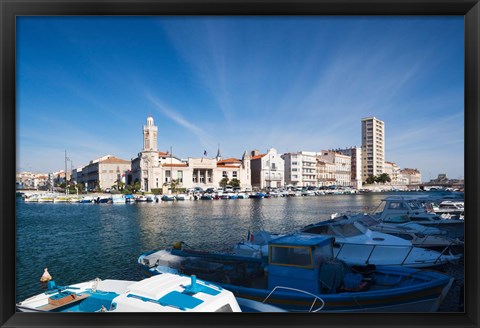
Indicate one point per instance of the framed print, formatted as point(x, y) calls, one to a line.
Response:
point(212, 143)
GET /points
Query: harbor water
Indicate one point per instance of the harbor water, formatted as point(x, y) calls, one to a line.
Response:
point(79, 242)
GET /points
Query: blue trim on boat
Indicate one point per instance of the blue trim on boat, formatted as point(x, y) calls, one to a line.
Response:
point(174, 299)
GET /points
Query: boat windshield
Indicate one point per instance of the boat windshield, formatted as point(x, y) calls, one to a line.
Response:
point(414, 205)
point(291, 256)
point(368, 221)
point(348, 230)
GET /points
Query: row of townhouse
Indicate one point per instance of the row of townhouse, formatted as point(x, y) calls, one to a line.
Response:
point(154, 169)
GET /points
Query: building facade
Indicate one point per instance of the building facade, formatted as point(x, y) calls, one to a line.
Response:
point(343, 166)
point(373, 147)
point(103, 172)
point(267, 170)
point(355, 154)
point(393, 171)
point(157, 170)
point(325, 173)
point(413, 175)
point(301, 169)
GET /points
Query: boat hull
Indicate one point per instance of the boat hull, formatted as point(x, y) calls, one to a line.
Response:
point(415, 291)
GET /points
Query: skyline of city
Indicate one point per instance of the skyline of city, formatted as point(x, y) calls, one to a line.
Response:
point(85, 85)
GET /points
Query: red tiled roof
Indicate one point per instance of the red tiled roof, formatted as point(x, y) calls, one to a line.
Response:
point(258, 156)
point(161, 153)
point(229, 160)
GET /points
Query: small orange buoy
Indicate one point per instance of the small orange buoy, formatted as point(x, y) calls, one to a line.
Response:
point(46, 276)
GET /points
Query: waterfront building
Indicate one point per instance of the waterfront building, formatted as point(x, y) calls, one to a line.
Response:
point(413, 175)
point(158, 170)
point(301, 169)
point(325, 173)
point(355, 154)
point(29, 180)
point(103, 172)
point(373, 147)
point(343, 166)
point(267, 170)
point(393, 170)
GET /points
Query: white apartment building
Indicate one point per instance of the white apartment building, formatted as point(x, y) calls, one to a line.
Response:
point(393, 170)
point(373, 147)
point(156, 170)
point(301, 169)
point(413, 175)
point(267, 170)
point(343, 166)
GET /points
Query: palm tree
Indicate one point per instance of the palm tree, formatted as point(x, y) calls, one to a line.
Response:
point(383, 178)
point(371, 179)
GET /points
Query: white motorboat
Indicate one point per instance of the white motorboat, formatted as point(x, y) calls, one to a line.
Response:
point(162, 293)
point(399, 209)
point(418, 235)
point(117, 199)
point(450, 208)
point(355, 244)
point(358, 245)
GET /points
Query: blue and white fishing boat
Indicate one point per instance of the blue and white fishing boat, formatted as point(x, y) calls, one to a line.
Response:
point(86, 200)
point(162, 293)
point(300, 274)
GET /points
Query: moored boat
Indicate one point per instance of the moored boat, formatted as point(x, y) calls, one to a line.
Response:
point(356, 244)
point(183, 197)
point(162, 293)
point(399, 209)
point(301, 268)
point(168, 197)
point(117, 199)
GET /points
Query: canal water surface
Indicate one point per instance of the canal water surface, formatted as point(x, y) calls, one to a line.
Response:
point(79, 242)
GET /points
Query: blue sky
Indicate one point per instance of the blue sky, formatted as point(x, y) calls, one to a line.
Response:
point(87, 84)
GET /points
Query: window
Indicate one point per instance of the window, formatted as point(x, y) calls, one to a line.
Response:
point(225, 174)
point(296, 256)
point(234, 174)
point(180, 176)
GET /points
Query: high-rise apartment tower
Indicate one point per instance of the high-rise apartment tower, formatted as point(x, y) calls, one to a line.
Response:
point(373, 147)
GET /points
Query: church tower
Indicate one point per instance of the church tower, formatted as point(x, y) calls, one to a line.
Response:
point(150, 135)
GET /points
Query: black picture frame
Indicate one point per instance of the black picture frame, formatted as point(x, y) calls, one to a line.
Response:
point(470, 9)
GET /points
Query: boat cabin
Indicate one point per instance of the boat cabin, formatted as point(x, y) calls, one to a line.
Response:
point(394, 207)
point(295, 261)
